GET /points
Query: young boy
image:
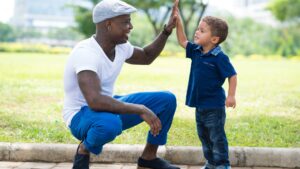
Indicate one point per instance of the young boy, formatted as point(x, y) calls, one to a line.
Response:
point(209, 69)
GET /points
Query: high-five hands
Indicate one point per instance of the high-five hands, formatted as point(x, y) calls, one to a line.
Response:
point(173, 18)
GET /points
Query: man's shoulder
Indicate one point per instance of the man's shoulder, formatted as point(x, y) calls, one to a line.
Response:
point(86, 43)
point(83, 47)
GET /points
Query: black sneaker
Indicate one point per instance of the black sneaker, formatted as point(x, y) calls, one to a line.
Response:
point(81, 161)
point(157, 163)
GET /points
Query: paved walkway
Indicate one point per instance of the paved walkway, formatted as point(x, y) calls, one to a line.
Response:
point(31, 165)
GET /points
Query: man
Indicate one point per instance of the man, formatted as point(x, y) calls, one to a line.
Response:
point(92, 113)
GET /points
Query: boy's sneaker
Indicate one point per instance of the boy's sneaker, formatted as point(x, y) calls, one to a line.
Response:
point(208, 166)
point(81, 161)
point(157, 163)
point(223, 167)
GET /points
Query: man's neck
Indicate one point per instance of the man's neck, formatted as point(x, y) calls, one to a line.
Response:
point(107, 46)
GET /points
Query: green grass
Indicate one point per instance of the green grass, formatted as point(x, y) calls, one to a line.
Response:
point(267, 113)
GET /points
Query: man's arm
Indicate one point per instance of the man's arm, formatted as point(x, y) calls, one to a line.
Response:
point(89, 84)
point(146, 55)
point(230, 101)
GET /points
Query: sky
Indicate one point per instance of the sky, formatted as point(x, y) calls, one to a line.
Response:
point(6, 10)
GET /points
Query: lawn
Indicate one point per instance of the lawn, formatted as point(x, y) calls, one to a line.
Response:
point(267, 112)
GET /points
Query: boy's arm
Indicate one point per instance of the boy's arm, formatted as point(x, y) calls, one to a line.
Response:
point(230, 101)
point(181, 37)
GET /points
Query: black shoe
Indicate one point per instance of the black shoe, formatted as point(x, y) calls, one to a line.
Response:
point(81, 161)
point(157, 163)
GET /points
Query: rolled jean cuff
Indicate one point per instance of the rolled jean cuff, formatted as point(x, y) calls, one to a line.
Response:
point(158, 140)
point(94, 150)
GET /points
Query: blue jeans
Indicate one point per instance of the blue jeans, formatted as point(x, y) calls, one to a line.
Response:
point(210, 128)
point(99, 128)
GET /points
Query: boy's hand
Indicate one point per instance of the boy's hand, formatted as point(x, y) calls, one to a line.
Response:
point(230, 101)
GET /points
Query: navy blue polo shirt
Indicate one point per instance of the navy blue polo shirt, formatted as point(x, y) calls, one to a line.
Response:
point(207, 75)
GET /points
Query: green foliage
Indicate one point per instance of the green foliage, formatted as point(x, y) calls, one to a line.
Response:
point(84, 20)
point(31, 48)
point(24, 33)
point(6, 33)
point(247, 37)
point(142, 33)
point(148, 4)
point(285, 9)
point(156, 11)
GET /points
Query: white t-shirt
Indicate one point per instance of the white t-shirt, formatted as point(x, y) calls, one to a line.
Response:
point(88, 55)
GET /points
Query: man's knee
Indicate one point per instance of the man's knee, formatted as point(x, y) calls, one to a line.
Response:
point(169, 98)
point(111, 132)
point(104, 133)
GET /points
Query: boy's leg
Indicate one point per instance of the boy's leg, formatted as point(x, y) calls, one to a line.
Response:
point(203, 135)
point(215, 122)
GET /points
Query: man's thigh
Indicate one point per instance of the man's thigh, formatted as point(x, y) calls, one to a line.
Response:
point(156, 101)
point(86, 119)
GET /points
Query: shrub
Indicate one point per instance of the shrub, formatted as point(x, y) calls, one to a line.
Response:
point(32, 48)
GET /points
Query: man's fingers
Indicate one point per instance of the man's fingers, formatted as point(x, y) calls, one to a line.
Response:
point(176, 3)
point(157, 126)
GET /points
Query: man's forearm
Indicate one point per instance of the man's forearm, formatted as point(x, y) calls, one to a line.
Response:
point(108, 104)
point(154, 49)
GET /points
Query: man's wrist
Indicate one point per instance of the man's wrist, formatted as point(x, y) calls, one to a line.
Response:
point(166, 31)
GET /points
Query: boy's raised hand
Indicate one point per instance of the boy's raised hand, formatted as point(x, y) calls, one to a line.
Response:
point(176, 9)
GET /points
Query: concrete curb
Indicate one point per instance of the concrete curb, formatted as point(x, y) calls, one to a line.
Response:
point(184, 155)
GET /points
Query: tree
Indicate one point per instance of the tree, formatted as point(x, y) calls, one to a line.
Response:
point(6, 33)
point(191, 9)
point(83, 18)
point(285, 10)
point(157, 12)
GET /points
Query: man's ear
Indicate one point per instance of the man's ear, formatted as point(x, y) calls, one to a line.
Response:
point(215, 39)
point(108, 24)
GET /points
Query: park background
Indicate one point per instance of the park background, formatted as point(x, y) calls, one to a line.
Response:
point(263, 44)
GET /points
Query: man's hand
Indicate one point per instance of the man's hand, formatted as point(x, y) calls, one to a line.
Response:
point(230, 101)
point(172, 21)
point(152, 120)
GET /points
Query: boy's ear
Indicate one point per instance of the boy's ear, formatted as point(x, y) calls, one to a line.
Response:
point(215, 39)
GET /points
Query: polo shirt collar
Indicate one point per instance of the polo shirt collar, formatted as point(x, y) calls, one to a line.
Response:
point(215, 51)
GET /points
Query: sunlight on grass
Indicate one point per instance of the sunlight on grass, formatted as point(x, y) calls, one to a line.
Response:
point(267, 113)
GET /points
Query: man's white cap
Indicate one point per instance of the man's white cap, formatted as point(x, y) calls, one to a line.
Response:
point(111, 8)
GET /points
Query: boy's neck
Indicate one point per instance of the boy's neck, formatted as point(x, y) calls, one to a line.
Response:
point(207, 48)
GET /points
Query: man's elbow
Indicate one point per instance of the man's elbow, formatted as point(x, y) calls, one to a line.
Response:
point(95, 103)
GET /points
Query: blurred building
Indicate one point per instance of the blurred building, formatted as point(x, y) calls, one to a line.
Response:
point(43, 14)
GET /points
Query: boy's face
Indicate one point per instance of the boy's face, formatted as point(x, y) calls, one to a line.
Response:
point(203, 35)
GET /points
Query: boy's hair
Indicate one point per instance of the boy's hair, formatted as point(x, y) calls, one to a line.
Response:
point(217, 26)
